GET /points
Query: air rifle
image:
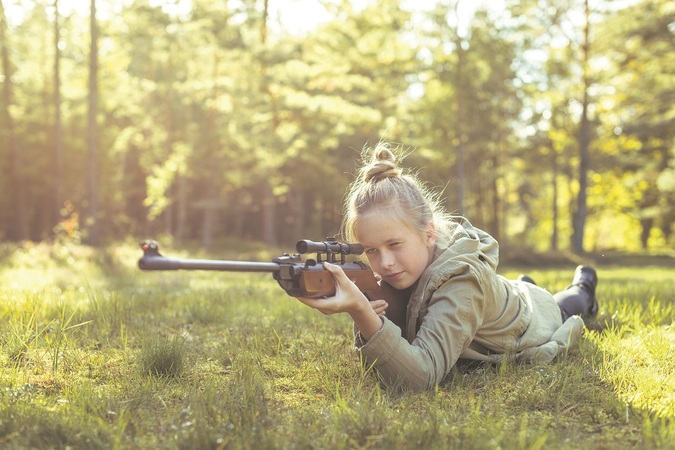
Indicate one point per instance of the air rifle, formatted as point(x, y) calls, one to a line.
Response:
point(298, 278)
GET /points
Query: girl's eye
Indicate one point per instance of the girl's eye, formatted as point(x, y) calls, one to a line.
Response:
point(370, 251)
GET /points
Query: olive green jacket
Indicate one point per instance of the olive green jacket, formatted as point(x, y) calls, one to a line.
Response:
point(461, 308)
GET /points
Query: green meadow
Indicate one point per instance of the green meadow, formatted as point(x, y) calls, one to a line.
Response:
point(96, 354)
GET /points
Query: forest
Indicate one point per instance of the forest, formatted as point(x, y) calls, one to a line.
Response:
point(548, 123)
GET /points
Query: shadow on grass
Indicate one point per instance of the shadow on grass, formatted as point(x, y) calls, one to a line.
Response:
point(567, 404)
point(25, 424)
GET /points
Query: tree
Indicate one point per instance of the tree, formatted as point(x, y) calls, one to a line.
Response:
point(59, 191)
point(208, 122)
point(643, 48)
point(466, 116)
point(92, 132)
point(20, 226)
point(557, 67)
point(579, 217)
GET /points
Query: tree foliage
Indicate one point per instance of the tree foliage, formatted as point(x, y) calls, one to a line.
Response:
point(215, 121)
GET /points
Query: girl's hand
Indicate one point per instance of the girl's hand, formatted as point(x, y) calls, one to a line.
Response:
point(348, 298)
point(333, 305)
point(379, 306)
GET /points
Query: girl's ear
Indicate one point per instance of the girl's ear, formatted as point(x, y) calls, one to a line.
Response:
point(430, 234)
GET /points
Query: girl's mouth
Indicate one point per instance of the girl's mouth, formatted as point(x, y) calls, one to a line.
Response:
point(394, 276)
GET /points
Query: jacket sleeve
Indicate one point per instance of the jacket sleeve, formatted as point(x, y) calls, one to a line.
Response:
point(455, 312)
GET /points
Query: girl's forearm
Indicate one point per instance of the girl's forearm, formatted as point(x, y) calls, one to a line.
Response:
point(366, 320)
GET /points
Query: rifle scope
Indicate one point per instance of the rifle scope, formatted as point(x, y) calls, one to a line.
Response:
point(306, 246)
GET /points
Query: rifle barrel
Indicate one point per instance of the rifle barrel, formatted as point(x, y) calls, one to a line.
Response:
point(158, 262)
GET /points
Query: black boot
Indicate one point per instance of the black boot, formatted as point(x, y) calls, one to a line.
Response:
point(588, 278)
point(586, 275)
point(579, 297)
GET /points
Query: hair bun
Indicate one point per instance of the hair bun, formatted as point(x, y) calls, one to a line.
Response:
point(384, 165)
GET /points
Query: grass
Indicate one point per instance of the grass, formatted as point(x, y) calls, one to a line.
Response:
point(96, 354)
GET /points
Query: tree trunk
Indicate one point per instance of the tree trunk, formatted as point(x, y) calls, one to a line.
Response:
point(503, 204)
point(59, 195)
point(296, 202)
point(496, 200)
point(20, 228)
point(269, 216)
point(584, 154)
point(92, 135)
point(647, 225)
point(239, 219)
point(269, 225)
point(210, 215)
point(182, 208)
point(459, 124)
point(554, 202)
point(169, 210)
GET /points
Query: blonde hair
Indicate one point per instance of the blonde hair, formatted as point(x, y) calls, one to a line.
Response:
point(382, 186)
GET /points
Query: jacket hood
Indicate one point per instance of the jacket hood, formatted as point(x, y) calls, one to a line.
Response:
point(467, 247)
point(465, 242)
point(468, 239)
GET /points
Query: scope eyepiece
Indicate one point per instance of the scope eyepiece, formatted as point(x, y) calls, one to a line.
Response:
point(306, 246)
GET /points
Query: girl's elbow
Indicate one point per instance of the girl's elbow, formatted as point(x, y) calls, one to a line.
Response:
point(416, 381)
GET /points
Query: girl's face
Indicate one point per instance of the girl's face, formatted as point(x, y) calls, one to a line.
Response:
point(395, 251)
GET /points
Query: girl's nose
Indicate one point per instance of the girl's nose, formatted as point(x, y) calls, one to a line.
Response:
point(387, 259)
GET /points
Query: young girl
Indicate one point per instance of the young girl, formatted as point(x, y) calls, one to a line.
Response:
point(455, 303)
